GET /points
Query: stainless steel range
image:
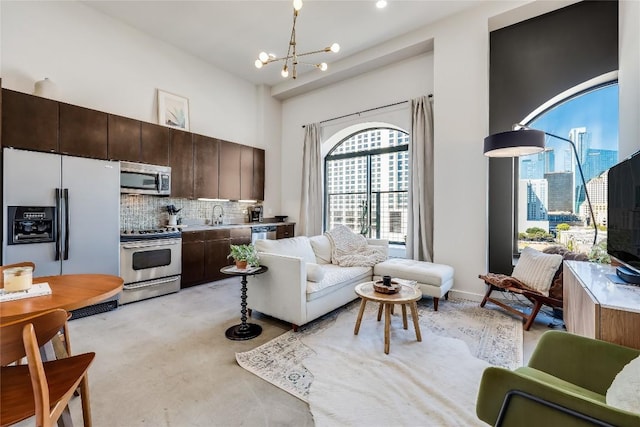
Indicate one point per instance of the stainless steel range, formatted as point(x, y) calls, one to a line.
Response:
point(150, 263)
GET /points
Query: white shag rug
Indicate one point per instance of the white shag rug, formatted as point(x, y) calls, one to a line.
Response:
point(429, 383)
point(481, 337)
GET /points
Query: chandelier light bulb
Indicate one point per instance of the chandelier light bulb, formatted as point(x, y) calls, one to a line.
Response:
point(323, 66)
point(381, 4)
point(258, 63)
point(297, 4)
point(285, 72)
point(263, 57)
point(335, 48)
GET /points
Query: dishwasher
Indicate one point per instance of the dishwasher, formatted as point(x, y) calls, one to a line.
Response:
point(263, 232)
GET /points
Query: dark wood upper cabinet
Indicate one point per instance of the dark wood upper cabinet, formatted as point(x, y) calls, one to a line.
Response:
point(205, 159)
point(83, 132)
point(181, 162)
point(154, 147)
point(246, 173)
point(258, 174)
point(29, 122)
point(124, 138)
point(229, 164)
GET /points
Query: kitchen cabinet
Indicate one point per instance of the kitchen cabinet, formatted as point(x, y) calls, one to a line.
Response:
point(205, 159)
point(216, 251)
point(204, 253)
point(123, 138)
point(229, 167)
point(154, 144)
point(284, 231)
point(258, 174)
point(29, 122)
point(181, 162)
point(192, 258)
point(83, 132)
point(251, 173)
point(246, 173)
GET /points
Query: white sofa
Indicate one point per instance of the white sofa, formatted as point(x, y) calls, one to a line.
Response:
point(302, 284)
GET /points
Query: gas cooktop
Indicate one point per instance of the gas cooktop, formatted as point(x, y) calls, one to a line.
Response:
point(155, 233)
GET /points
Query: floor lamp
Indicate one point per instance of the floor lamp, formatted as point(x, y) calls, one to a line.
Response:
point(523, 141)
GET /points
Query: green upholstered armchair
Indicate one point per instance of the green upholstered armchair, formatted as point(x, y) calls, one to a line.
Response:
point(564, 384)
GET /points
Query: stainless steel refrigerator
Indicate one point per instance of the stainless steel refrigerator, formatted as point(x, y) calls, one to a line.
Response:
point(84, 196)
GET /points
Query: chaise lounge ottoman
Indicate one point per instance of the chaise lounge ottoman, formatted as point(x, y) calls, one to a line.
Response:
point(434, 280)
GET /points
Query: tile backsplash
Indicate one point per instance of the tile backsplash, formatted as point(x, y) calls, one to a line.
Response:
point(145, 212)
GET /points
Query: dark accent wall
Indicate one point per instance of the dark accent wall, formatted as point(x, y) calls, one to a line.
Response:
point(530, 63)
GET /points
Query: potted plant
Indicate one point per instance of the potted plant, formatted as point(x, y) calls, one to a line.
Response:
point(244, 255)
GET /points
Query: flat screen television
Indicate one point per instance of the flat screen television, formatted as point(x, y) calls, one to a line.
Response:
point(623, 221)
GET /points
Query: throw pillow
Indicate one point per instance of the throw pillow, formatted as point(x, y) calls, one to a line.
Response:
point(536, 269)
point(322, 248)
point(624, 391)
point(315, 273)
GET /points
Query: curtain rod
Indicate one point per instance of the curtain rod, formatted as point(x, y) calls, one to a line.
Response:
point(365, 111)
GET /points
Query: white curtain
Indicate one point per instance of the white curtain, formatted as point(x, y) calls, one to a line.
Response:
point(420, 215)
point(310, 221)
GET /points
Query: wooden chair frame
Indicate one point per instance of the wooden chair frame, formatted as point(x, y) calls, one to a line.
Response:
point(495, 282)
point(40, 388)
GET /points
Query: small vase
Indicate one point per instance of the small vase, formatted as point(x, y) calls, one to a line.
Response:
point(241, 264)
point(173, 219)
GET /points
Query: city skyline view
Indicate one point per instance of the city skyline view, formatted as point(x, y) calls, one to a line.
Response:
point(550, 190)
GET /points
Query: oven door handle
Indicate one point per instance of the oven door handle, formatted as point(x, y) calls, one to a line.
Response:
point(148, 245)
point(149, 283)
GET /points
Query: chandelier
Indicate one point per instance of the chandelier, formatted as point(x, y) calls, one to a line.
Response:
point(292, 55)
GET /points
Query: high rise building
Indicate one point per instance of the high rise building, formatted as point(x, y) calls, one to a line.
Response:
point(598, 193)
point(532, 204)
point(560, 191)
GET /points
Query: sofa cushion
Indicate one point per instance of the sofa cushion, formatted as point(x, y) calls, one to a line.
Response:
point(536, 269)
point(315, 273)
point(423, 272)
point(336, 276)
point(322, 248)
point(295, 246)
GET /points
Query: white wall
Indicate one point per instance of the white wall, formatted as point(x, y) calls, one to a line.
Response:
point(100, 63)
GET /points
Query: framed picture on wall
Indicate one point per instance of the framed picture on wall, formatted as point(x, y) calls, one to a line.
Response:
point(173, 110)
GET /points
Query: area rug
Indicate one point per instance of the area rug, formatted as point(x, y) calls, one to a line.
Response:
point(487, 335)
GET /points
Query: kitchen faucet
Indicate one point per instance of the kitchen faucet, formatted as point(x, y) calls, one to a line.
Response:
point(217, 219)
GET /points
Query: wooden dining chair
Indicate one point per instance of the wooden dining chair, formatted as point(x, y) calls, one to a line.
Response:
point(18, 264)
point(39, 388)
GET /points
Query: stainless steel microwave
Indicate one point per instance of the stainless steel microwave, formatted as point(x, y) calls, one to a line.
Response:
point(139, 178)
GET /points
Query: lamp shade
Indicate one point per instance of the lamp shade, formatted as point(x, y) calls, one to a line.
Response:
point(514, 143)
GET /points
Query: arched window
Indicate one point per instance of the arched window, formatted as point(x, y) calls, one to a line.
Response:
point(550, 190)
point(367, 183)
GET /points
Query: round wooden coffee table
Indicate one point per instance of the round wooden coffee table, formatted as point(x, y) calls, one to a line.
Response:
point(407, 295)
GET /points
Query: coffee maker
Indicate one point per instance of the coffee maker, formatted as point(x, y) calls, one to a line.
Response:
point(255, 213)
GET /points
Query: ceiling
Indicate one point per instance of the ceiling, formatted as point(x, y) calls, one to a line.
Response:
point(231, 34)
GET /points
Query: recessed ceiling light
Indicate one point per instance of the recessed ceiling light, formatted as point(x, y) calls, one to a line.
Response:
point(381, 4)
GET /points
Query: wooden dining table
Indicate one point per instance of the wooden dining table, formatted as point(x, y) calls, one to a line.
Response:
point(68, 291)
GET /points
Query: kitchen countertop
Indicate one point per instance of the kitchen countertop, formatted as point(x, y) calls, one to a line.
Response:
point(201, 227)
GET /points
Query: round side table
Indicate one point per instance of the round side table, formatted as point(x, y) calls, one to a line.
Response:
point(243, 331)
point(406, 296)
